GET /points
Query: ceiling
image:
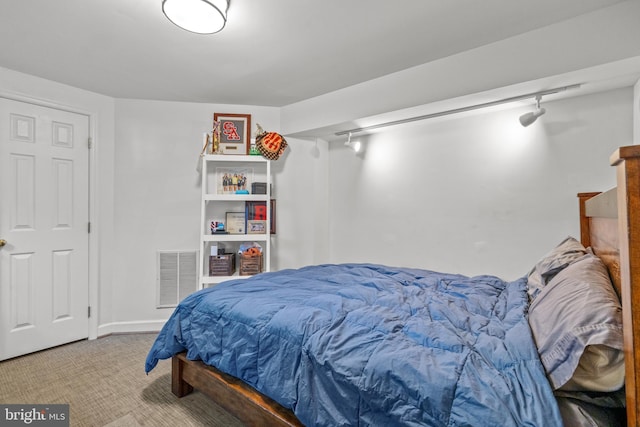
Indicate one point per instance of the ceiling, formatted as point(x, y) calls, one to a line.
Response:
point(271, 53)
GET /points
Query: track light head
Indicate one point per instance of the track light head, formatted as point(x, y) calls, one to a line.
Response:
point(528, 118)
point(355, 145)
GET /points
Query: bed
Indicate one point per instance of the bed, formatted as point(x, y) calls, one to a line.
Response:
point(379, 345)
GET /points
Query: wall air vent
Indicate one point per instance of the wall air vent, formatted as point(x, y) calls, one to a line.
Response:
point(177, 276)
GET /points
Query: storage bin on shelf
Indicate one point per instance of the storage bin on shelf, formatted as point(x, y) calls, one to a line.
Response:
point(250, 264)
point(250, 259)
point(222, 265)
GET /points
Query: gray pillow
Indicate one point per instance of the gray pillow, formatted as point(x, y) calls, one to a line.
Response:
point(592, 409)
point(578, 308)
point(552, 263)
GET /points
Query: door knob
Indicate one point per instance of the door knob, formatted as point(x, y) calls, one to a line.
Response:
point(2, 242)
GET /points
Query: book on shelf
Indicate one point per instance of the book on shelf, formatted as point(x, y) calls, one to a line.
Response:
point(257, 211)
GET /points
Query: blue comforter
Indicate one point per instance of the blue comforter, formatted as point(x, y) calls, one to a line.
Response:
point(362, 344)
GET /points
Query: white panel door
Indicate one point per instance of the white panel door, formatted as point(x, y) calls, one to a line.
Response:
point(44, 214)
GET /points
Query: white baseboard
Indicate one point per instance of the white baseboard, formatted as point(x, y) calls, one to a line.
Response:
point(130, 327)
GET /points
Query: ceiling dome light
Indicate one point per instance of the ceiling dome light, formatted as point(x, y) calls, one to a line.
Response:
point(197, 16)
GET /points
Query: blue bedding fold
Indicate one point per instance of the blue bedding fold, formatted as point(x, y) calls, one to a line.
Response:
point(363, 344)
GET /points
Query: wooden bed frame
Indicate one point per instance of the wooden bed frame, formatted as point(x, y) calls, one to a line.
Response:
point(609, 223)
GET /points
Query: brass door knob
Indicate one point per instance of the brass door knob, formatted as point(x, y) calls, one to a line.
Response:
point(2, 242)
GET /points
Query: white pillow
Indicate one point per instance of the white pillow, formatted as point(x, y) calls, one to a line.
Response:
point(576, 321)
point(601, 368)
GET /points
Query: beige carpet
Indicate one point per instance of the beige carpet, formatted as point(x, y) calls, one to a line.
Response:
point(104, 383)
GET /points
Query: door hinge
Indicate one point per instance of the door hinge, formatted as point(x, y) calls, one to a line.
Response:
point(89, 227)
point(89, 311)
point(90, 142)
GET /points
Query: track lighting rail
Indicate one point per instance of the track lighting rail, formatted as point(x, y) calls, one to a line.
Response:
point(459, 110)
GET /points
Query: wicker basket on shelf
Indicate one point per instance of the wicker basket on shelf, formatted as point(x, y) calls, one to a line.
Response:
point(250, 264)
point(222, 265)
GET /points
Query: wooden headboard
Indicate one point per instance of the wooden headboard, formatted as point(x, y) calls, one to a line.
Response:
point(610, 225)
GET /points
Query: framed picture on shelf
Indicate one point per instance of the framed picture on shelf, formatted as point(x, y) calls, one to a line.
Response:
point(257, 211)
point(235, 133)
point(256, 226)
point(233, 180)
point(235, 223)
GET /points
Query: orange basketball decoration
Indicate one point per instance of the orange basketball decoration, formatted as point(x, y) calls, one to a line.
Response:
point(270, 144)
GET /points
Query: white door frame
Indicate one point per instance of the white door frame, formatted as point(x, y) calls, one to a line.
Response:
point(94, 301)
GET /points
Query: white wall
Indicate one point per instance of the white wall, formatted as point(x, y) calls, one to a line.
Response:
point(477, 194)
point(157, 198)
point(301, 187)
